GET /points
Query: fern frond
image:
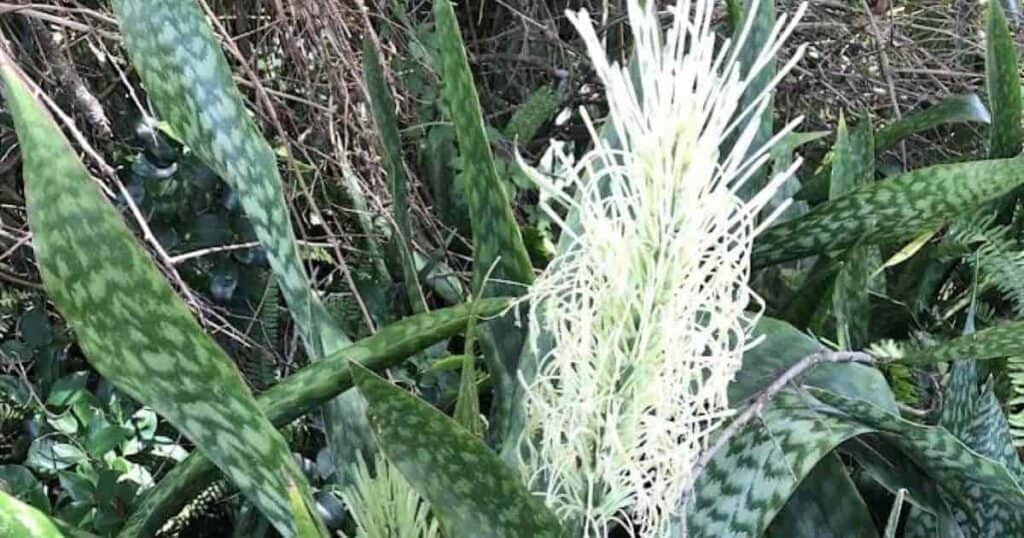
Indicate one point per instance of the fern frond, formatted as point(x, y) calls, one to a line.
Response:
point(384, 505)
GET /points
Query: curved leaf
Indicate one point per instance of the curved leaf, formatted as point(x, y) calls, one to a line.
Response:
point(303, 391)
point(825, 505)
point(20, 519)
point(954, 109)
point(131, 325)
point(470, 490)
point(896, 209)
point(188, 79)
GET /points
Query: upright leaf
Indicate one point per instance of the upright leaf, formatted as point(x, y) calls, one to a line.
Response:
point(382, 106)
point(187, 77)
point(498, 248)
point(1002, 80)
point(131, 325)
point(470, 490)
point(897, 209)
point(758, 21)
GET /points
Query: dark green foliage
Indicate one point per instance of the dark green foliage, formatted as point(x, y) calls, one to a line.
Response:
point(130, 323)
point(382, 106)
point(888, 211)
point(306, 389)
point(468, 487)
point(1003, 84)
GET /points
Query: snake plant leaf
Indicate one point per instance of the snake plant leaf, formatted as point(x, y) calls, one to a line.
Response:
point(759, 16)
point(187, 77)
point(986, 497)
point(132, 326)
point(749, 482)
point(496, 237)
point(470, 490)
point(825, 505)
point(498, 248)
point(1005, 340)
point(853, 165)
point(306, 389)
point(382, 108)
point(966, 108)
point(1002, 82)
point(897, 209)
point(20, 519)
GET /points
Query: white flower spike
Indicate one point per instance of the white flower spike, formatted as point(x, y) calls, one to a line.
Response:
point(648, 311)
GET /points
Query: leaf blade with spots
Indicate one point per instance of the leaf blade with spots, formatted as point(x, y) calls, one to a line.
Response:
point(129, 322)
point(307, 388)
point(896, 209)
point(470, 491)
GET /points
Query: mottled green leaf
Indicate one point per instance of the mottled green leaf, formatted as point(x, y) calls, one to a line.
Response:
point(987, 499)
point(531, 115)
point(853, 165)
point(307, 388)
point(954, 109)
point(129, 322)
point(993, 343)
point(888, 211)
point(470, 490)
point(382, 107)
point(1002, 81)
point(496, 237)
point(20, 519)
point(498, 248)
point(759, 17)
point(186, 76)
point(825, 505)
point(748, 483)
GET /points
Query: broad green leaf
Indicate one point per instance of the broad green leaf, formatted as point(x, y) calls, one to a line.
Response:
point(470, 490)
point(853, 165)
point(20, 519)
point(894, 210)
point(20, 482)
point(825, 505)
point(306, 389)
point(131, 325)
point(498, 248)
point(382, 107)
point(1002, 81)
point(954, 109)
point(987, 499)
point(748, 483)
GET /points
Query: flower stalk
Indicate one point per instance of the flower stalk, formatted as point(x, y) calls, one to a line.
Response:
point(645, 316)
